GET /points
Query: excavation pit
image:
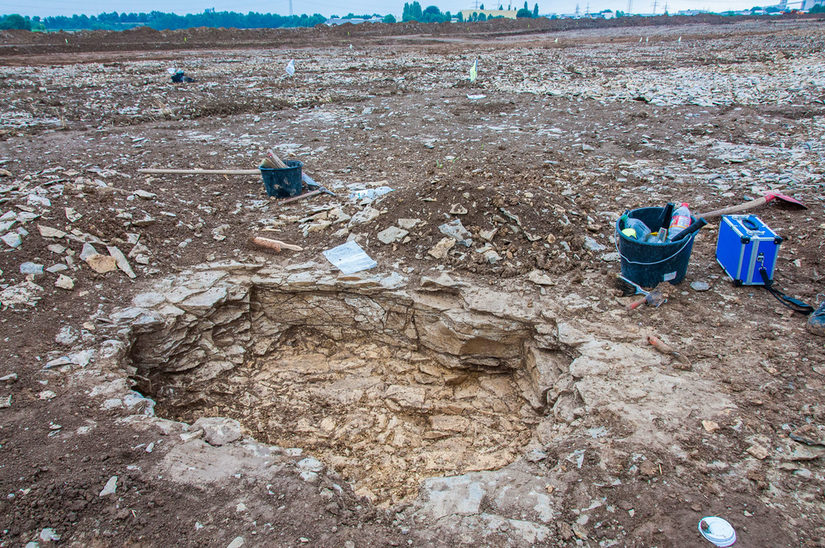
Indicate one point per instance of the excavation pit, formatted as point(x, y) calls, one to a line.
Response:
point(386, 386)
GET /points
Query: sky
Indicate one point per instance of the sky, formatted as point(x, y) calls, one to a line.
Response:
point(331, 7)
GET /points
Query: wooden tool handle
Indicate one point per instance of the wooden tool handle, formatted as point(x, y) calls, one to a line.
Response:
point(273, 161)
point(300, 197)
point(201, 171)
point(737, 208)
point(275, 245)
point(636, 304)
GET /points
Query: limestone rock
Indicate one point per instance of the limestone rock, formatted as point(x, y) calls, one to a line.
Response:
point(64, 282)
point(539, 278)
point(87, 251)
point(219, 430)
point(458, 495)
point(593, 245)
point(31, 268)
point(205, 300)
point(408, 224)
point(67, 335)
point(122, 262)
point(364, 216)
point(699, 285)
point(455, 230)
point(491, 256)
point(12, 239)
point(101, 264)
point(110, 487)
point(25, 293)
point(488, 235)
point(440, 250)
point(392, 235)
point(145, 194)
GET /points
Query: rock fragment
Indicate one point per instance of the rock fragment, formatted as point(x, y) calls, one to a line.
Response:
point(392, 235)
point(64, 282)
point(440, 250)
point(109, 488)
point(121, 261)
point(219, 430)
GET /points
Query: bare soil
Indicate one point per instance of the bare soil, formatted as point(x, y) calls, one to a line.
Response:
point(575, 125)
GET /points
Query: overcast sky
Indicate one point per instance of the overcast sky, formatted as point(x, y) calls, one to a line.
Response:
point(330, 7)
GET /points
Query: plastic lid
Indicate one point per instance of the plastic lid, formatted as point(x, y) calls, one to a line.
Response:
point(717, 530)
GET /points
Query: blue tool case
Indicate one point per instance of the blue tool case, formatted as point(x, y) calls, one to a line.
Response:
point(745, 246)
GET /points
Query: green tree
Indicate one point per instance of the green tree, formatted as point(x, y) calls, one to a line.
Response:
point(524, 13)
point(431, 15)
point(482, 17)
point(15, 21)
point(536, 10)
point(481, 7)
point(412, 12)
point(389, 18)
point(819, 8)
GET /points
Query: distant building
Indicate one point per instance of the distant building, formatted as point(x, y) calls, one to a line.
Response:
point(507, 14)
point(808, 4)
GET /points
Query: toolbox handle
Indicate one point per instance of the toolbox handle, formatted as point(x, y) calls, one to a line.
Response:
point(749, 224)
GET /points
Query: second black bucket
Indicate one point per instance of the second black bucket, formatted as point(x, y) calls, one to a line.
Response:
point(283, 182)
point(649, 263)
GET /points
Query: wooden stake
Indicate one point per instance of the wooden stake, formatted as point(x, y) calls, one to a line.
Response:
point(274, 157)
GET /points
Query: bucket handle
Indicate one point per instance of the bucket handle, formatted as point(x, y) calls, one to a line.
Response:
point(684, 245)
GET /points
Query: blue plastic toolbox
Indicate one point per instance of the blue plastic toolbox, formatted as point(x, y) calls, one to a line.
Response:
point(745, 246)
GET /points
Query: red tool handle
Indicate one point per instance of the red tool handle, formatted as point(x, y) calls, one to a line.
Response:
point(636, 304)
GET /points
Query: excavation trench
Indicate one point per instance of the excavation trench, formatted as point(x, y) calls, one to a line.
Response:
point(385, 387)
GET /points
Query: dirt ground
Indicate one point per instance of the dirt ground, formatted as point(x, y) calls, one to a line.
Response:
point(563, 130)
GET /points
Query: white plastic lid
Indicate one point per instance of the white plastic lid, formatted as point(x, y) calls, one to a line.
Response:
point(717, 530)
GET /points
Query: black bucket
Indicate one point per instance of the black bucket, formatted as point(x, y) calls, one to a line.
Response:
point(283, 182)
point(649, 263)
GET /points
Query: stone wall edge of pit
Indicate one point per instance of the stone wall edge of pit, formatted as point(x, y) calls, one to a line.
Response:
point(205, 322)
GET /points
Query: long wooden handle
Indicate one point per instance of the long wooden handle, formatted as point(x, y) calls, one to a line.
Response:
point(201, 171)
point(300, 197)
point(737, 208)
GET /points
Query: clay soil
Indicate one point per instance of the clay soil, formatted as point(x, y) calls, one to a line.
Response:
point(564, 129)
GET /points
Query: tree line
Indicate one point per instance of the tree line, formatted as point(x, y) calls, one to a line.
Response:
point(161, 21)
point(431, 14)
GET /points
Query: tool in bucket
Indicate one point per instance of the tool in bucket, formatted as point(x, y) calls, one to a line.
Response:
point(649, 263)
point(272, 160)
